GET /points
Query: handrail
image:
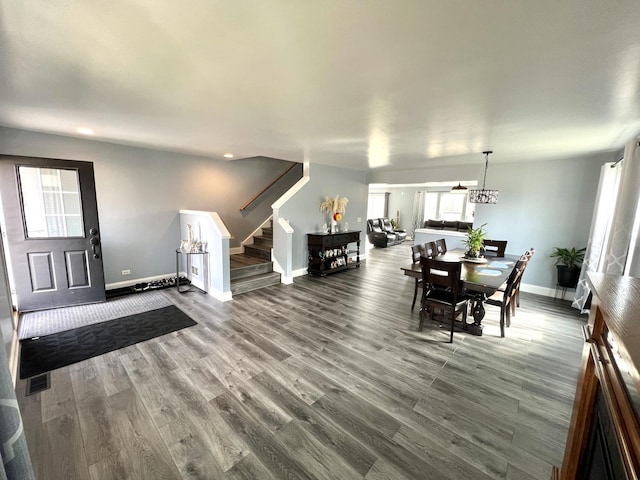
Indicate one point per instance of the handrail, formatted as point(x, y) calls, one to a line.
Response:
point(256, 196)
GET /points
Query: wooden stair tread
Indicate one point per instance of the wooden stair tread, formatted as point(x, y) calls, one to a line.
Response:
point(263, 238)
point(259, 246)
point(254, 282)
point(253, 269)
point(240, 260)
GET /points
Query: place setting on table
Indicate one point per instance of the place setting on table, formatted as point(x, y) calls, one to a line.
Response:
point(483, 272)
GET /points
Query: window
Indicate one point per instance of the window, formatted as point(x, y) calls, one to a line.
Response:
point(448, 206)
point(377, 205)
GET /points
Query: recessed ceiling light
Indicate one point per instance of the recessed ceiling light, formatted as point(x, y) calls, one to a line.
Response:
point(85, 131)
point(228, 155)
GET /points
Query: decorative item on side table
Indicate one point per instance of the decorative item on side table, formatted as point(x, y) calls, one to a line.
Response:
point(191, 245)
point(568, 263)
point(336, 207)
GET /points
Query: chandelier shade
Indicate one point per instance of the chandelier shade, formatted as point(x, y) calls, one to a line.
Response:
point(484, 195)
point(458, 188)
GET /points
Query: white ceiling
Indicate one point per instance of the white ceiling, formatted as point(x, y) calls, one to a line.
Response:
point(355, 83)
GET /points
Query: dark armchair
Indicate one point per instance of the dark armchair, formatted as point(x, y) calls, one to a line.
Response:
point(387, 227)
point(377, 236)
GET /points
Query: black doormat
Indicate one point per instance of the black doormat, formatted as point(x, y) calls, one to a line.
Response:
point(43, 354)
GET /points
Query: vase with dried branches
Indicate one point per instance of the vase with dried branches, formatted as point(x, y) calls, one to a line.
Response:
point(336, 207)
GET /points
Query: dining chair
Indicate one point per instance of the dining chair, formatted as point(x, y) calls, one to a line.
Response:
point(504, 299)
point(416, 253)
point(525, 257)
point(496, 248)
point(430, 249)
point(528, 255)
point(441, 246)
point(442, 290)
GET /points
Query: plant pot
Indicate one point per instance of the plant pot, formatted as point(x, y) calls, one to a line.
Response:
point(568, 277)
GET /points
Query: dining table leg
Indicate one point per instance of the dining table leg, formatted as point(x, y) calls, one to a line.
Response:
point(477, 312)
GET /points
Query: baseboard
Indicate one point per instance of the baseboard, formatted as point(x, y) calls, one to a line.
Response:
point(536, 289)
point(221, 296)
point(299, 272)
point(236, 250)
point(130, 283)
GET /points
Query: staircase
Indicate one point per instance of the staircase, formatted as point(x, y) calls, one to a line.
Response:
point(253, 269)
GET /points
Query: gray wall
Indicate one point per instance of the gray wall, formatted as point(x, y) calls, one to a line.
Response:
point(541, 204)
point(400, 200)
point(303, 211)
point(140, 192)
point(7, 326)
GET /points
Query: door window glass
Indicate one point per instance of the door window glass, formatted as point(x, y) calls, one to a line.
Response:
point(51, 202)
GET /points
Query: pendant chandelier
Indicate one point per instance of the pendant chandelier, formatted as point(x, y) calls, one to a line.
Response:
point(459, 188)
point(484, 195)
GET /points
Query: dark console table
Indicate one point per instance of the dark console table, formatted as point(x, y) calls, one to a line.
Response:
point(333, 252)
point(604, 434)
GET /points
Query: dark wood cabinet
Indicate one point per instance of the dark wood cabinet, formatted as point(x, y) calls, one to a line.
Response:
point(604, 434)
point(333, 252)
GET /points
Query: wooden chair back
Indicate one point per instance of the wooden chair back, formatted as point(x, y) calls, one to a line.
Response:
point(440, 273)
point(416, 253)
point(441, 246)
point(505, 302)
point(513, 279)
point(442, 291)
point(430, 249)
point(495, 248)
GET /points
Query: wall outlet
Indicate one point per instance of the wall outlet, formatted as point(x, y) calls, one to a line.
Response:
point(126, 272)
point(194, 270)
point(359, 220)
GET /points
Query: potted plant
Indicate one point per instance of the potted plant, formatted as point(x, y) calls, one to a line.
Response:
point(475, 241)
point(568, 265)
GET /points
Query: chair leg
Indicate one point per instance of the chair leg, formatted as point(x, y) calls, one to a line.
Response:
point(415, 295)
point(502, 321)
point(452, 319)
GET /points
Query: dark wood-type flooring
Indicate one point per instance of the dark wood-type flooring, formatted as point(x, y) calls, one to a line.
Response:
point(326, 378)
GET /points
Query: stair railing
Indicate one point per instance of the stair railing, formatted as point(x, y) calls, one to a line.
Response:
point(261, 192)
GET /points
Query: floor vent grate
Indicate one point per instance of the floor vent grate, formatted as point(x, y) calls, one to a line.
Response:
point(38, 384)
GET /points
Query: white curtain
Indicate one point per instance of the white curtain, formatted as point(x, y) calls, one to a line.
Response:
point(624, 217)
point(600, 230)
point(417, 217)
point(619, 241)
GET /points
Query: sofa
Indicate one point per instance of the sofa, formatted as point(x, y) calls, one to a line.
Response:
point(452, 231)
point(453, 225)
point(381, 234)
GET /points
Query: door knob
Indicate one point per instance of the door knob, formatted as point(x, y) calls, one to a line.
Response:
point(94, 243)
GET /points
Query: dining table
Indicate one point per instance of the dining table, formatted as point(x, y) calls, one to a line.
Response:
point(480, 277)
